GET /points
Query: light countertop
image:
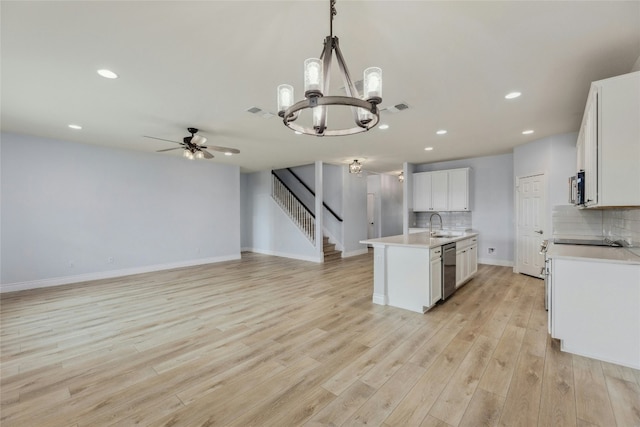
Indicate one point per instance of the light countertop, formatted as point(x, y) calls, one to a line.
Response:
point(595, 253)
point(418, 240)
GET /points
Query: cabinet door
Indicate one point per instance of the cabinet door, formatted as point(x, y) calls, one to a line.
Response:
point(591, 149)
point(472, 260)
point(459, 190)
point(421, 191)
point(436, 280)
point(461, 266)
point(440, 191)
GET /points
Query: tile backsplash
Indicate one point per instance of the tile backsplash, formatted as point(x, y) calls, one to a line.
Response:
point(616, 224)
point(622, 224)
point(449, 219)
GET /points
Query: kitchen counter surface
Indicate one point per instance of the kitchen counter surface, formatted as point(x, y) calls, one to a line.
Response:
point(419, 240)
point(595, 253)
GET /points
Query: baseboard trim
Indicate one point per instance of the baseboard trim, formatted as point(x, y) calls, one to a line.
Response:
point(380, 299)
point(500, 262)
point(67, 280)
point(317, 259)
point(355, 253)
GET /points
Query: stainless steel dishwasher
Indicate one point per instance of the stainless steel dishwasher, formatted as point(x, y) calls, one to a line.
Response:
point(448, 270)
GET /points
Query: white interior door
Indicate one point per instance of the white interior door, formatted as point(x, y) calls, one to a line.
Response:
point(371, 213)
point(531, 202)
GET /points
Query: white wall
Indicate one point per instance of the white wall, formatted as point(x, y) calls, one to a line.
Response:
point(73, 212)
point(268, 228)
point(491, 200)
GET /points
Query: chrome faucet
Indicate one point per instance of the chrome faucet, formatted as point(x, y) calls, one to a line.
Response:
point(431, 223)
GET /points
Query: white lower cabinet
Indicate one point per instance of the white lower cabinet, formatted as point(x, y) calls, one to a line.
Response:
point(413, 277)
point(435, 284)
point(595, 309)
point(466, 260)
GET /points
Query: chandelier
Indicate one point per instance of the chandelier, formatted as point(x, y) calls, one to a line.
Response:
point(355, 167)
point(316, 88)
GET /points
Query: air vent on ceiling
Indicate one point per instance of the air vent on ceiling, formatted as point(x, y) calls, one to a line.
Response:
point(260, 112)
point(395, 108)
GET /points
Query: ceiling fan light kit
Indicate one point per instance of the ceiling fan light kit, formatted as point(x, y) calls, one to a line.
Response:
point(365, 110)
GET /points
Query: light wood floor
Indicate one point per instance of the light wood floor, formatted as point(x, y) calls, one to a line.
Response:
point(268, 341)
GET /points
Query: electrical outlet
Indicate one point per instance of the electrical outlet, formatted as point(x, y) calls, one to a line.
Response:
point(491, 250)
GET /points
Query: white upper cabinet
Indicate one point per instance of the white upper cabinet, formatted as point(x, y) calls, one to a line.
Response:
point(446, 190)
point(609, 142)
point(422, 191)
point(439, 191)
point(459, 189)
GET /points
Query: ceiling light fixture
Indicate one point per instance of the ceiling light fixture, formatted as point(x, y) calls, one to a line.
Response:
point(383, 127)
point(76, 127)
point(107, 74)
point(441, 132)
point(527, 132)
point(316, 86)
point(428, 149)
point(512, 95)
point(355, 167)
point(401, 177)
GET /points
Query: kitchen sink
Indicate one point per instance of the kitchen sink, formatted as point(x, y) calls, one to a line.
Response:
point(446, 233)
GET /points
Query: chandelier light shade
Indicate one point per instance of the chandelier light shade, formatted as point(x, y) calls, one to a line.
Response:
point(355, 167)
point(364, 110)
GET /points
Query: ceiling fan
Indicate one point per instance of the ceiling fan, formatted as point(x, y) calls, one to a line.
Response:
point(193, 146)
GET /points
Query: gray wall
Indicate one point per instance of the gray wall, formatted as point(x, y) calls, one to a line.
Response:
point(556, 157)
point(491, 201)
point(74, 212)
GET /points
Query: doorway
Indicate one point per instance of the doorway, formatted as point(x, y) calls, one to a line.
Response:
point(531, 201)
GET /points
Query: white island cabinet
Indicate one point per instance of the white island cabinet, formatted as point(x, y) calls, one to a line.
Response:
point(407, 270)
point(595, 302)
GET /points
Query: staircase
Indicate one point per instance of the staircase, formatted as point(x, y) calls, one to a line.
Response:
point(329, 250)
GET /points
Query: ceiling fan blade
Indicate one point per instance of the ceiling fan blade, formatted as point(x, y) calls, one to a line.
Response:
point(224, 149)
point(162, 139)
point(198, 140)
point(207, 155)
point(168, 149)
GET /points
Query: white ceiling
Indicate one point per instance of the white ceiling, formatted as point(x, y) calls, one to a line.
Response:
point(203, 64)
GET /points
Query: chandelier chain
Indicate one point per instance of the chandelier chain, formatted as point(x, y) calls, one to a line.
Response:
point(332, 12)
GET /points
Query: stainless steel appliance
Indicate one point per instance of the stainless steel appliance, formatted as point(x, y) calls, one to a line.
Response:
point(546, 272)
point(589, 242)
point(448, 270)
point(576, 189)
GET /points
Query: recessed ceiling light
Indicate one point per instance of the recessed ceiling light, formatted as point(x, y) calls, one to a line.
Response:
point(77, 127)
point(383, 127)
point(107, 74)
point(428, 149)
point(298, 132)
point(228, 154)
point(527, 132)
point(512, 95)
point(441, 132)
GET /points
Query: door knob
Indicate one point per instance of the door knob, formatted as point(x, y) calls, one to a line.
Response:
point(538, 231)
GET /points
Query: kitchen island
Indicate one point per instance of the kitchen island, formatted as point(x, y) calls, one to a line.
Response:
point(407, 270)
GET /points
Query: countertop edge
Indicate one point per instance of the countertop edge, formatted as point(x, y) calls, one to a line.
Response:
point(413, 240)
point(593, 253)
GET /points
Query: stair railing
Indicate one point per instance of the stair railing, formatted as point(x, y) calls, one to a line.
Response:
point(301, 216)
